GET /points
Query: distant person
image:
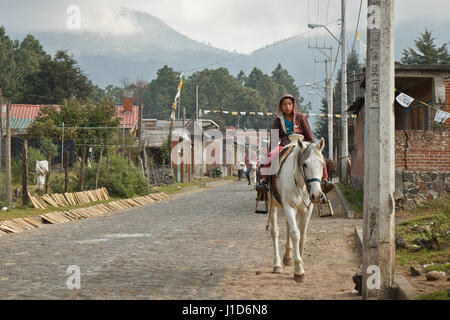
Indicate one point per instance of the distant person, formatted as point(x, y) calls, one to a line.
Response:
point(241, 169)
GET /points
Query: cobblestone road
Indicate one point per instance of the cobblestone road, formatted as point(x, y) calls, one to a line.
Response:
point(201, 245)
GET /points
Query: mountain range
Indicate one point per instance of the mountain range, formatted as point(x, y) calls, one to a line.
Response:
point(107, 59)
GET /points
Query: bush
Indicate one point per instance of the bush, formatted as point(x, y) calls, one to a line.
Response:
point(124, 180)
point(57, 182)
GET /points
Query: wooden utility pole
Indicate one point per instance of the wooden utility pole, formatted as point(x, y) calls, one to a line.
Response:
point(83, 160)
point(8, 156)
point(98, 167)
point(379, 154)
point(47, 181)
point(330, 98)
point(107, 160)
point(25, 199)
point(1, 127)
point(62, 146)
point(344, 121)
point(66, 173)
point(141, 111)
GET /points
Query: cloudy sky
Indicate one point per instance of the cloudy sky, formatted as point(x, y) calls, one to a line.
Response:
point(240, 25)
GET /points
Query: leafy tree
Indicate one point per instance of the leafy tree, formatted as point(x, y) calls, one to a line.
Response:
point(264, 84)
point(75, 114)
point(10, 72)
point(159, 95)
point(30, 54)
point(287, 83)
point(49, 147)
point(58, 79)
point(114, 93)
point(241, 77)
point(427, 51)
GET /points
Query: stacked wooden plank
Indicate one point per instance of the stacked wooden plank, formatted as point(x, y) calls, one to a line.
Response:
point(69, 199)
point(22, 224)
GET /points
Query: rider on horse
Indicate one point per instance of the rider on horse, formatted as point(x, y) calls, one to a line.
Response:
point(290, 121)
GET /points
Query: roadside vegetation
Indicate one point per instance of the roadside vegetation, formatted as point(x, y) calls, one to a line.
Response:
point(355, 199)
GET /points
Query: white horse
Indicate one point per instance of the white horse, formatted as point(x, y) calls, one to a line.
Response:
point(252, 175)
point(297, 187)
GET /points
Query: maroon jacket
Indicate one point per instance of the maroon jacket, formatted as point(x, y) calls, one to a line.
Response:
point(301, 125)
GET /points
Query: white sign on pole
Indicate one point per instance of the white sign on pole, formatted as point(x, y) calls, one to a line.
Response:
point(404, 100)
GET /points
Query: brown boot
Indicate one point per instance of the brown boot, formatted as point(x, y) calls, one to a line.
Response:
point(327, 187)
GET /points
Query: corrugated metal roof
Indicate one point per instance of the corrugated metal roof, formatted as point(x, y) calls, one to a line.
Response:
point(17, 125)
point(29, 111)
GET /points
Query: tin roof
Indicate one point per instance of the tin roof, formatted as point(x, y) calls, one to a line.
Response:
point(30, 112)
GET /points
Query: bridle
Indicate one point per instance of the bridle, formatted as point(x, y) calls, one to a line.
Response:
point(302, 158)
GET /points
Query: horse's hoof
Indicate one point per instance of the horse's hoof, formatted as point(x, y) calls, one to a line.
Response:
point(299, 278)
point(288, 261)
point(277, 270)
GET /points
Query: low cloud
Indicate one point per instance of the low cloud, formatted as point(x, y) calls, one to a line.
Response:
point(99, 16)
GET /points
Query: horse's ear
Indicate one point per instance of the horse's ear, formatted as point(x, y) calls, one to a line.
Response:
point(300, 144)
point(295, 137)
point(321, 144)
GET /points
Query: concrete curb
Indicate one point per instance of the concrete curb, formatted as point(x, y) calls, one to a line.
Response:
point(402, 289)
point(344, 203)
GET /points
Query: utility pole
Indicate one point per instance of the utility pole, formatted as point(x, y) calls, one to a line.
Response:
point(379, 155)
point(8, 156)
point(330, 107)
point(196, 103)
point(1, 127)
point(123, 139)
point(344, 121)
point(141, 111)
point(62, 146)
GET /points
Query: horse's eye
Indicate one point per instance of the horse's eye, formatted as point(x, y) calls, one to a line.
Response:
point(304, 165)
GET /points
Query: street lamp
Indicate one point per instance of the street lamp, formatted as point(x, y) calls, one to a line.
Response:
point(344, 131)
point(315, 26)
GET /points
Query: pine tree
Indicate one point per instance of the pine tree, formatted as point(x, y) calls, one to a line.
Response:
point(426, 53)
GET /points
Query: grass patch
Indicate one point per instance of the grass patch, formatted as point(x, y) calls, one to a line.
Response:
point(430, 222)
point(355, 199)
point(438, 267)
point(428, 208)
point(439, 295)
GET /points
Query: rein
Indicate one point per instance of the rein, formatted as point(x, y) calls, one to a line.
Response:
point(302, 159)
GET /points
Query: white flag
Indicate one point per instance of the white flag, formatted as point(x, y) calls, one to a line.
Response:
point(261, 113)
point(404, 100)
point(226, 112)
point(242, 113)
point(441, 116)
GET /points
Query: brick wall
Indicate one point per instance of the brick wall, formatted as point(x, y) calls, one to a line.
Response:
point(426, 150)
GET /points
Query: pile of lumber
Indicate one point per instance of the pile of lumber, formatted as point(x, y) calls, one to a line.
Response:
point(68, 199)
point(22, 224)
